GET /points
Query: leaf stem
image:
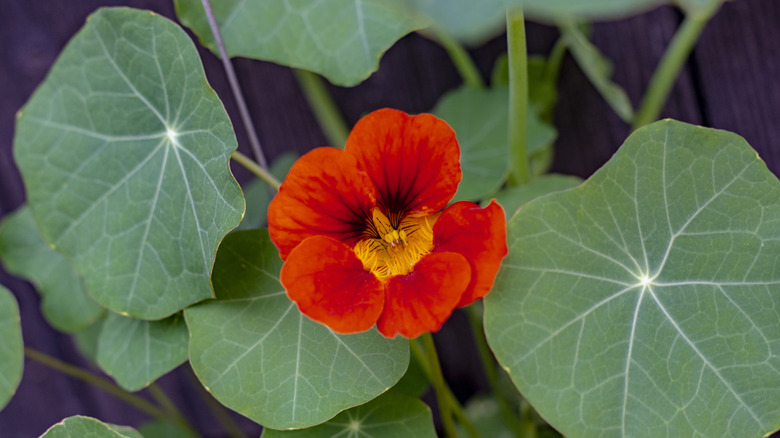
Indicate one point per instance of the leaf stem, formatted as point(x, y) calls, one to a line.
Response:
point(217, 409)
point(325, 109)
point(457, 409)
point(174, 413)
point(85, 376)
point(460, 57)
point(235, 87)
point(437, 379)
point(518, 95)
point(255, 168)
point(671, 63)
point(489, 365)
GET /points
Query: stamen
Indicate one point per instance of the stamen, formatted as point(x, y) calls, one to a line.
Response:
point(394, 251)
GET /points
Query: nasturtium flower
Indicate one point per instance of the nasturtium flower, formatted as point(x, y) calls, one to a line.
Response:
point(366, 237)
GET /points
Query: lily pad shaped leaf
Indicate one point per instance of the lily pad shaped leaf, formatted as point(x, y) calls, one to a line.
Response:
point(124, 152)
point(646, 302)
point(11, 347)
point(136, 352)
point(552, 10)
point(64, 300)
point(340, 39)
point(258, 355)
point(391, 415)
point(88, 427)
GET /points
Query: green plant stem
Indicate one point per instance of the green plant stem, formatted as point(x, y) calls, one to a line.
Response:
point(527, 424)
point(518, 95)
point(669, 68)
point(255, 168)
point(457, 409)
point(437, 380)
point(488, 363)
point(243, 110)
point(460, 57)
point(325, 109)
point(174, 413)
point(217, 409)
point(85, 376)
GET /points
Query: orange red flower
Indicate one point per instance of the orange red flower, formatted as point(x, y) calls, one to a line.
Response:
point(366, 237)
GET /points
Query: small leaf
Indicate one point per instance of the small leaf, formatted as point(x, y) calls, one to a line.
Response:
point(136, 352)
point(598, 70)
point(124, 151)
point(261, 357)
point(64, 301)
point(340, 39)
point(258, 194)
point(86, 340)
point(392, 415)
point(480, 120)
point(512, 198)
point(11, 347)
point(645, 300)
point(87, 427)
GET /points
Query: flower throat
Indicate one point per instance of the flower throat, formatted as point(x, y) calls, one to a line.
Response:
point(388, 251)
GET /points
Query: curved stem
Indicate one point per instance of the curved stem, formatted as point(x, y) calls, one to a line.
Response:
point(489, 365)
point(437, 379)
point(457, 410)
point(255, 168)
point(233, 80)
point(325, 109)
point(518, 95)
point(85, 376)
point(173, 412)
point(669, 68)
point(460, 57)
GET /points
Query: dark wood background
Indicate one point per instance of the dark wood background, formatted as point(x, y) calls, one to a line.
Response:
point(732, 82)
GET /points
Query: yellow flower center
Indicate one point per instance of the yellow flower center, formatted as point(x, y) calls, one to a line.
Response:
point(387, 250)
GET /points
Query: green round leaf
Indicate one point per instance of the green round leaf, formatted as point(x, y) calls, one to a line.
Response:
point(11, 347)
point(392, 415)
point(163, 429)
point(136, 352)
point(340, 39)
point(644, 302)
point(64, 300)
point(86, 340)
point(124, 152)
point(480, 120)
point(87, 427)
point(473, 22)
point(514, 197)
point(261, 357)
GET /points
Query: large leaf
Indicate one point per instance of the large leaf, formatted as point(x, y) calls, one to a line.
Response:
point(11, 347)
point(64, 300)
point(261, 357)
point(340, 39)
point(392, 415)
point(480, 118)
point(136, 352)
point(645, 302)
point(124, 152)
point(591, 9)
point(88, 427)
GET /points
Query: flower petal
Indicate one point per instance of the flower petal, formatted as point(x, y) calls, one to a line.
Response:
point(479, 234)
point(328, 282)
point(422, 300)
point(323, 194)
point(414, 161)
